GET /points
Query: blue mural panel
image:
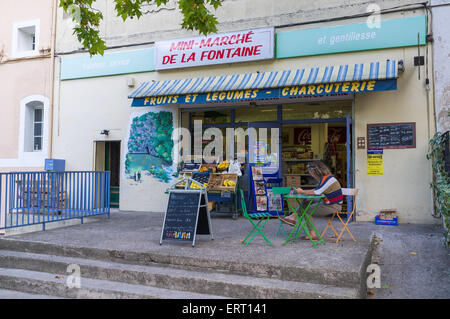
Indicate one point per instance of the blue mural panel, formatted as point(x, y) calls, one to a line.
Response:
point(150, 146)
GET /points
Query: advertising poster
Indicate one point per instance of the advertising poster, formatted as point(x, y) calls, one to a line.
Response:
point(375, 162)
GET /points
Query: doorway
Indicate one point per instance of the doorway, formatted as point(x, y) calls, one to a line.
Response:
point(107, 158)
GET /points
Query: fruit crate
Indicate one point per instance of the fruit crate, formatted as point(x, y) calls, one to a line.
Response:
point(208, 168)
point(215, 184)
point(201, 178)
point(230, 177)
point(182, 176)
point(387, 217)
point(223, 166)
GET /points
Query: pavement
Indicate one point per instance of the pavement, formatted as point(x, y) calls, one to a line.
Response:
point(413, 260)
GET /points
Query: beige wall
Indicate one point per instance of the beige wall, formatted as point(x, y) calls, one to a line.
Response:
point(164, 23)
point(22, 78)
point(79, 119)
point(407, 174)
point(103, 104)
point(404, 186)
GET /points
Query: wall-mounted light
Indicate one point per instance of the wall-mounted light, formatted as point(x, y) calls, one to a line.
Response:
point(401, 66)
point(130, 82)
point(104, 132)
point(427, 84)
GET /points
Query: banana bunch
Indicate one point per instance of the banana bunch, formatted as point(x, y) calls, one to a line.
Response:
point(223, 165)
point(227, 182)
point(197, 186)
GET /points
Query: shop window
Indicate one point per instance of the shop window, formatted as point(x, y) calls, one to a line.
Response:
point(317, 110)
point(212, 117)
point(26, 39)
point(256, 114)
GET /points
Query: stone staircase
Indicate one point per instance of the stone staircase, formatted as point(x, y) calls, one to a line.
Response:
point(41, 269)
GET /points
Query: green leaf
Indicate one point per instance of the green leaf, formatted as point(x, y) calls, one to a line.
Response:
point(196, 16)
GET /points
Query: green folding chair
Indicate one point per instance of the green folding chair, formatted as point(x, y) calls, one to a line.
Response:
point(281, 191)
point(263, 218)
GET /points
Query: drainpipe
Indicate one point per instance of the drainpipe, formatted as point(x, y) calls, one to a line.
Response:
point(52, 78)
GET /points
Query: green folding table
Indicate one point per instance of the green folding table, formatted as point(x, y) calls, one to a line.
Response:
point(304, 217)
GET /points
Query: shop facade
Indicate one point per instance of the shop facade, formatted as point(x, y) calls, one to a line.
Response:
point(324, 90)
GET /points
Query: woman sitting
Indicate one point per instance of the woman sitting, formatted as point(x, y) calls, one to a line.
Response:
point(328, 186)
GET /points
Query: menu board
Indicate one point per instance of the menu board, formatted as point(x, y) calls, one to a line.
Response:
point(391, 135)
point(186, 215)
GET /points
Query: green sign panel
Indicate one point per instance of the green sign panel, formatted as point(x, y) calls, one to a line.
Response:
point(391, 33)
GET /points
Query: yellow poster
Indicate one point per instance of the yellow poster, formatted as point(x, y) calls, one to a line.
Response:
point(375, 162)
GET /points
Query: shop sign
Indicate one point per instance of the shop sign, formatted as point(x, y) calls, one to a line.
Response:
point(392, 33)
point(114, 63)
point(375, 162)
point(241, 46)
point(273, 93)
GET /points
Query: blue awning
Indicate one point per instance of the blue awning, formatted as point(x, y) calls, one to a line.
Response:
point(265, 80)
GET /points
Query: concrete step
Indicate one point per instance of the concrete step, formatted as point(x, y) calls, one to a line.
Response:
point(44, 283)
point(161, 276)
point(12, 294)
point(331, 276)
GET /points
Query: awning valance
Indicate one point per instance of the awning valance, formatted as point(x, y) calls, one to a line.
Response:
point(264, 80)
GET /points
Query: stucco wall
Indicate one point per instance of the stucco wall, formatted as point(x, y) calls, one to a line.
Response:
point(441, 58)
point(164, 23)
point(21, 78)
point(407, 174)
point(79, 119)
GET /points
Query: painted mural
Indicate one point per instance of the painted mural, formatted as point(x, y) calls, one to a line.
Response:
point(150, 147)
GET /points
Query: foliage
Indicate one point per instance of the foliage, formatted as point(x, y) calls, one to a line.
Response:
point(196, 16)
point(441, 180)
point(162, 142)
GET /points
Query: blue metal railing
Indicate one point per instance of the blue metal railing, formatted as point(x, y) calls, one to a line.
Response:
point(30, 198)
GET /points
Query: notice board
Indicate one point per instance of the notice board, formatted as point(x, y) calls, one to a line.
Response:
point(391, 135)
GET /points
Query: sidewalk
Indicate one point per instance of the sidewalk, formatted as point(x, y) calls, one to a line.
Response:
point(414, 263)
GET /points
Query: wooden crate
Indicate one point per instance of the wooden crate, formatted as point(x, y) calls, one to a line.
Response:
point(230, 177)
point(208, 168)
point(215, 183)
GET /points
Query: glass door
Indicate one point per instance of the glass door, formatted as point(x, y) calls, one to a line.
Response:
point(264, 144)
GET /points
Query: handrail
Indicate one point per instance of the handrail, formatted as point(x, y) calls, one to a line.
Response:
point(39, 197)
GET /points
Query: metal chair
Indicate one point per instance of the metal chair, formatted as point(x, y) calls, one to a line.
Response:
point(346, 192)
point(257, 227)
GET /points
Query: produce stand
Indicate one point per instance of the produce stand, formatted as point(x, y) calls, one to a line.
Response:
point(223, 193)
point(221, 186)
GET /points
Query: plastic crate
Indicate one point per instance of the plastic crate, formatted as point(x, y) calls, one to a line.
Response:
point(391, 222)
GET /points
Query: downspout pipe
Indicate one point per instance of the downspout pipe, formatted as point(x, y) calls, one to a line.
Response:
point(52, 78)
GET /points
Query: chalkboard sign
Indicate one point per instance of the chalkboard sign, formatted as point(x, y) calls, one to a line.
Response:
point(391, 135)
point(186, 215)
